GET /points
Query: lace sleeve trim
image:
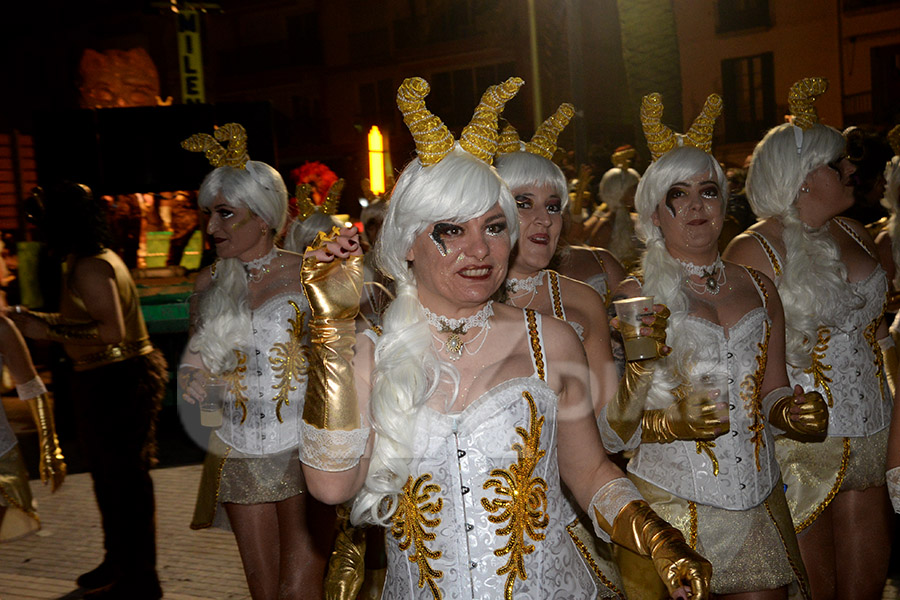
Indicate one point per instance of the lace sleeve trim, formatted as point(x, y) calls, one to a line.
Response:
point(31, 389)
point(609, 500)
point(611, 440)
point(331, 450)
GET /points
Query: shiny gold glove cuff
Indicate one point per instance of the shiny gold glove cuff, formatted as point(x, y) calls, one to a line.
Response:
point(624, 411)
point(641, 530)
point(52, 466)
point(811, 427)
point(60, 329)
point(346, 566)
point(889, 358)
point(655, 429)
point(331, 401)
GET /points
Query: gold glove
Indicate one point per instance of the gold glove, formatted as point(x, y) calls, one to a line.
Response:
point(813, 422)
point(61, 329)
point(52, 465)
point(332, 290)
point(624, 411)
point(346, 566)
point(641, 530)
point(693, 416)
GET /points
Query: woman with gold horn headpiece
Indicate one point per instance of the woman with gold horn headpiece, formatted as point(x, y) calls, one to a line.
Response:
point(454, 428)
point(702, 411)
point(249, 339)
point(837, 343)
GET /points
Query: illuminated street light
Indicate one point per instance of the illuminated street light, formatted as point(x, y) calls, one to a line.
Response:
point(376, 161)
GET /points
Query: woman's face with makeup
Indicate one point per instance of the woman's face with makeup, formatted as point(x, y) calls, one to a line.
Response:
point(461, 265)
point(691, 214)
point(235, 230)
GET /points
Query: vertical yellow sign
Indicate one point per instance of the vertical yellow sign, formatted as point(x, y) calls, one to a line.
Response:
point(190, 57)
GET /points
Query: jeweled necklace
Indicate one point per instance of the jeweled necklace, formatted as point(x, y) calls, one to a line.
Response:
point(713, 275)
point(518, 288)
point(258, 267)
point(459, 327)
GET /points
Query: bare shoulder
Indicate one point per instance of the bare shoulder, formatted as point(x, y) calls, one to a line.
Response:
point(860, 230)
point(578, 292)
point(629, 288)
point(204, 279)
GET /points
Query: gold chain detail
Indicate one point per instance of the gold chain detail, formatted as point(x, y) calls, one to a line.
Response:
point(535, 342)
point(692, 532)
point(818, 368)
point(290, 360)
point(521, 501)
point(845, 460)
point(235, 381)
point(589, 559)
point(558, 311)
point(409, 523)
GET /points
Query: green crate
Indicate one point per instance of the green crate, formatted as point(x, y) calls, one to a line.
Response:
point(193, 252)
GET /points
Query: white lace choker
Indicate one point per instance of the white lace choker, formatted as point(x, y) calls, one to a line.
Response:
point(529, 284)
point(713, 275)
point(458, 328)
point(258, 267)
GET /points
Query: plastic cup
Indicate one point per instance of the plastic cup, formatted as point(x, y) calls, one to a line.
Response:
point(714, 385)
point(629, 312)
point(211, 405)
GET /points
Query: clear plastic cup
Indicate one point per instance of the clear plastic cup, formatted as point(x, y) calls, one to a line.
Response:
point(629, 312)
point(212, 403)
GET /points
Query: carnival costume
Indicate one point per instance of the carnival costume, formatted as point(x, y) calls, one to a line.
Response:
point(723, 491)
point(482, 508)
point(252, 457)
point(20, 516)
point(848, 370)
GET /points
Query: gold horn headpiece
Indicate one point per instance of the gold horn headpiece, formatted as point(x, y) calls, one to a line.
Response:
point(661, 139)
point(479, 138)
point(306, 207)
point(217, 153)
point(623, 157)
point(893, 138)
point(434, 141)
point(801, 102)
point(543, 142)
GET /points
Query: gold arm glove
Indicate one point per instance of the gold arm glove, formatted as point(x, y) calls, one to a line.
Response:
point(813, 422)
point(641, 530)
point(52, 465)
point(64, 330)
point(624, 411)
point(693, 416)
point(332, 289)
point(346, 567)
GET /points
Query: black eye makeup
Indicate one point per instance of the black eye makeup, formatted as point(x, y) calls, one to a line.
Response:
point(439, 231)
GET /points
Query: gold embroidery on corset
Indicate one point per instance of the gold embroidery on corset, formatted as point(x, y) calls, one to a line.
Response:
point(522, 500)
point(409, 523)
point(707, 446)
point(869, 334)
point(290, 360)
point(692, 531)
point(818, 368)
point(235, 381)
point(750, 387)
point(558, 311)
point(535, 343)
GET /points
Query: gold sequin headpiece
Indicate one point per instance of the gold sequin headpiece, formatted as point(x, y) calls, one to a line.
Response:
point(661, 139)
point(234, 155)
point(306, 207)
point(434, 141)
point(801, 102)
point(623, 157)
point(543, 142)
point(893, 138)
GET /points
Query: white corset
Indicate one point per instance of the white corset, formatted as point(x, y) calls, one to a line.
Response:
point(678, 466)
point(461, 455)
point(850, 377)
point(270, 380)
point(600, 283)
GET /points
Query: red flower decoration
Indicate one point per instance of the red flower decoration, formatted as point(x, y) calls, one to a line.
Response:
point(317, 174)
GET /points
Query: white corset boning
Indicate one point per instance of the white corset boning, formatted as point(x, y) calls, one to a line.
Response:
point(271, 380)
point(678, 466)
point(859, 399)
point(467, 456)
